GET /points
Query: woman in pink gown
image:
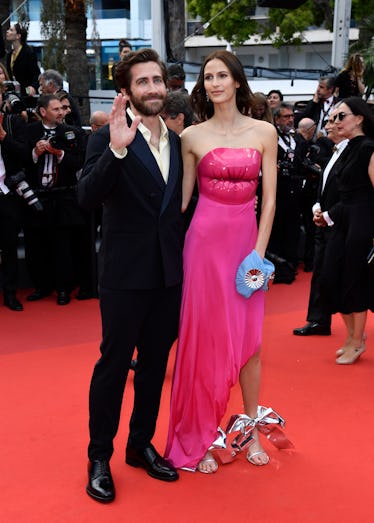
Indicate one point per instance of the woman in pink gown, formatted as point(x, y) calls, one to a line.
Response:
point(220, 330)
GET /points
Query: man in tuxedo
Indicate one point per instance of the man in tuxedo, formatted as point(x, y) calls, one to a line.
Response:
point(321, 105)
point(318, 316)
point(134, 169)
point(57, 154)
point(284, 240)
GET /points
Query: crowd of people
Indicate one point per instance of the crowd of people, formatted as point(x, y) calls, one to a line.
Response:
point(42, 153)
point(185, 187)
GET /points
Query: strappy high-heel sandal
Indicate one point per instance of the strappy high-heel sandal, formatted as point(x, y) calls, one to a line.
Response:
point(207, 459)
point(254, 454)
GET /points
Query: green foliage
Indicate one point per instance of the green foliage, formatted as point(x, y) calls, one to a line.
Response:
point(228, 20)
point(52, 20)
point(231, 20)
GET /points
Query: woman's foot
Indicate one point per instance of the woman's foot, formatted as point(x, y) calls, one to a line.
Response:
point(208, 464)
point(256, 454)
point(348, 343)
point(350, 355)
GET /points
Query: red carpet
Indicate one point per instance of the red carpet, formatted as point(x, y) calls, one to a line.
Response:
point(46, 358)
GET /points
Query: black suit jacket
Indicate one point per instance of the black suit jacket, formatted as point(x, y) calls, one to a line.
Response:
point(14, 147)
point(142, 236)
point(312, 110)
point(71, 163)
point(60, 202)
point(329, 197)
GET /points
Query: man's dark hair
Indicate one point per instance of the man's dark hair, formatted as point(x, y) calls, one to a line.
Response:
point(330, 81)
point(44, 101)
point(283, 105)
point(179, 102)
point(176, 71)
point(123, 68)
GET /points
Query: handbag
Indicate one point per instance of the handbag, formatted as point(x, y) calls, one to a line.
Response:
point(253, 273)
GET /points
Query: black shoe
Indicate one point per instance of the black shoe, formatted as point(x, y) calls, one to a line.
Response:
point(151, 461)
point(38, 294)
point(63, 298)
point(100, 482)
point(12, 303)
point(313, 328)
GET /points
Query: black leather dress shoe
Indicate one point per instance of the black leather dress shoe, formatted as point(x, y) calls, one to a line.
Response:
point(12, 303)
point(63, 298)
point(312, 328)
point(151, 461)
point(100, 482)
point(38, 294)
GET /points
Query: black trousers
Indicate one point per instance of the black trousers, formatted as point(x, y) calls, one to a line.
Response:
point(11, 212)
point(147, 320)
point(318, 309)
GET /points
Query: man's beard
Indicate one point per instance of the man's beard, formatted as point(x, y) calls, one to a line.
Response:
point(148, 109)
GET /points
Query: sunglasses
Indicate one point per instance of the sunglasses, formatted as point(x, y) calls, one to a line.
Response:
point(340, 116)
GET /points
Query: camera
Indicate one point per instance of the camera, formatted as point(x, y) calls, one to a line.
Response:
point(18, 183)
point(65, 140)
point(285, 166)
point(12, 102)
point(310, 160)
point(311, 167)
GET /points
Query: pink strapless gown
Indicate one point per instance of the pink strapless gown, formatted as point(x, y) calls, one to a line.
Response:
point(219, 329)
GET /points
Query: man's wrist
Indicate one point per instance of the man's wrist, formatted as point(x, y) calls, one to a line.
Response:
point(118, 153)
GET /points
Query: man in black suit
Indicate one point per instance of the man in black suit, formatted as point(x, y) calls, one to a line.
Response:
point(321, 105)
point(319, 316)
point(134, 168)
point(57, 154)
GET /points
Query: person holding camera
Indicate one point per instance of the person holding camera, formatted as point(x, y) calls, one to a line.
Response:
point(13, 149)
point(284, 239)
point(57, 154)
point(313, 153)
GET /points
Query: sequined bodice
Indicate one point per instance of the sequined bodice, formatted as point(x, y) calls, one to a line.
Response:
point(229, 175)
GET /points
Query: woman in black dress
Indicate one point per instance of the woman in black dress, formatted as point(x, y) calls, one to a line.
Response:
point(346, 282)
point(349, 81)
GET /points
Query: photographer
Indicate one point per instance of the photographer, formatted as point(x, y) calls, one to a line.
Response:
point(285, 236)
point(57, 154)
point(313, 154)
point(13, 151)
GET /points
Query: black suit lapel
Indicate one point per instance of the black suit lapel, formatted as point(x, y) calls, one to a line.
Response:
point(141, 149)
point(173, 171)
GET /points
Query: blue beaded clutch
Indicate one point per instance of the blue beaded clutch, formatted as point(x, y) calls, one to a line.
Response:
point(254, 273)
